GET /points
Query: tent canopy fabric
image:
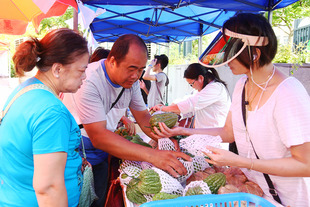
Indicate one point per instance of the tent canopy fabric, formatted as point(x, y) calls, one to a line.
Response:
point(233, 5)
point(169, 20)
point(16, 14)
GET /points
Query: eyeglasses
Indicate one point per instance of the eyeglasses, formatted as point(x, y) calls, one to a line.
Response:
point(191, 84)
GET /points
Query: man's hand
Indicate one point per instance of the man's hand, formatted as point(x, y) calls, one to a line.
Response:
point(153, 63)
point(167, 161)
point(130, 126)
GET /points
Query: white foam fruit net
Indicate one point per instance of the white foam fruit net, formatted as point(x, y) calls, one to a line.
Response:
point(165, 144)
point(129, 169)
point(146, 165)
point(200, 163)
point(148, 197)
point(190, 170)
point(127, 163)
point(129, 172)
point(197, 143)
point(169, 183)
point(204, 187)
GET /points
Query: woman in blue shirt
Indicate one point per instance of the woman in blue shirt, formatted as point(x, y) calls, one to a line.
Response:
point(40, 165)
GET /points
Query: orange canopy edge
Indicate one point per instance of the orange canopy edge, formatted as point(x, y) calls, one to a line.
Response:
point(18, 27)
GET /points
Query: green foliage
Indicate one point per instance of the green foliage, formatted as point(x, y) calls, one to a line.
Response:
point(299, 55)
point(286, 16)
point(56, 22)
point(45, 26)
point(176, 51)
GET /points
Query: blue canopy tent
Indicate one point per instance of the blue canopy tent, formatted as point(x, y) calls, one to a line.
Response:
point(169, 20)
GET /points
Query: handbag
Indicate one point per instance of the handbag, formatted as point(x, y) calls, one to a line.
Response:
point(115, 194)
point(272, 189)
point(88, 195)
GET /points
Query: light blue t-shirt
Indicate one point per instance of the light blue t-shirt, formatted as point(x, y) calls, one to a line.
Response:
point(36, 123)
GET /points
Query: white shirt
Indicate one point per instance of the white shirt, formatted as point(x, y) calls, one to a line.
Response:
point(283, 121)
point(210, 105)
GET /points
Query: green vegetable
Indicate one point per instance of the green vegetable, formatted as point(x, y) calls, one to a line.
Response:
point(122, 131)
point(215, 181)
point(133, 194)
point(149, 182)
point(170, 119)
point(140, 141)
point(163, 196)
point(196, 190)
point(124, 176)
point(179, 137)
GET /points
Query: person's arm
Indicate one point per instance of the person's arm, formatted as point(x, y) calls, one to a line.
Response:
point(143, 120)
point(297, 165)
point(48, 179)
point(226, 132)
point(147, 75)
point(172, 108)
point(143, 87)
point(117, 146)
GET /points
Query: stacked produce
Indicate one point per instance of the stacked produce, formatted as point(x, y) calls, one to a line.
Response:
point(122, 131)
point(145, 183)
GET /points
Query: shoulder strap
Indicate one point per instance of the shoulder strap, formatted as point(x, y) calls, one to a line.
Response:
point(113, 104)
point(272, 189)
point(118, 97)
point(243, 103)
point(21, 92)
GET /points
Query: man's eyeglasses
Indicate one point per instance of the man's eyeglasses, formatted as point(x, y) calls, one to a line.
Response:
point(191, 84)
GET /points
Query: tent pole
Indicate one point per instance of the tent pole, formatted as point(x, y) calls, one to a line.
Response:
point(270, 7)
point(75, 20)
point(168, 54)
point(199, 46)
point(270, 16)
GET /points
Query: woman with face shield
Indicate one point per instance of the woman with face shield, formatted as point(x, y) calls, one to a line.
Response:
point(269, 117)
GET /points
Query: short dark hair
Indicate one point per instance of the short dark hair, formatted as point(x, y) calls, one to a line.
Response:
point(194, 70)
point(257, 25)
point(99, 53)
point(163, 60)
point(121, 46)
point(62, 46)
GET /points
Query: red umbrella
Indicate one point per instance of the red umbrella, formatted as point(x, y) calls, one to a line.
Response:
point(16, 14)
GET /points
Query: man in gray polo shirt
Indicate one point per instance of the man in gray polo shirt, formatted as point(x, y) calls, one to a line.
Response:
point(92, 107)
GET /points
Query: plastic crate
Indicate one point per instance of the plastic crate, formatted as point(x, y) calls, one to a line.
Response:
point(211, 200)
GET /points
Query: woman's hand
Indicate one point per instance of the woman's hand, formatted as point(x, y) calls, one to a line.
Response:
point(222, 157)
point(130, 126)
point(165, 131)
point(157, 107)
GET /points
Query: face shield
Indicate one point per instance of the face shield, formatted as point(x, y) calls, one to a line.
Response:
point(225, 48)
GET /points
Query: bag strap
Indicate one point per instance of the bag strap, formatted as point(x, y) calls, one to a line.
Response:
point(113, 104)
point(83, 147)
point(118, 97)
point(21, 92)
point(272, 189)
